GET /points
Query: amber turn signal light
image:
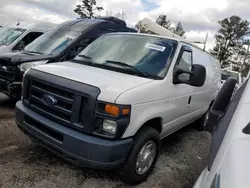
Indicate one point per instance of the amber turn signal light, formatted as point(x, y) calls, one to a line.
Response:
point(112, 110)
point(115, 110)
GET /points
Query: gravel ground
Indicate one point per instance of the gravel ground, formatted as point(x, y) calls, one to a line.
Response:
point(25, 164)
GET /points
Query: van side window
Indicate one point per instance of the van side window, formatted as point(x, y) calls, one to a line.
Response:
point(185, 63)
point(30, 37)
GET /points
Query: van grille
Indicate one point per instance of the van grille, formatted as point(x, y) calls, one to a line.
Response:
point(65, 110)
point(7, 72)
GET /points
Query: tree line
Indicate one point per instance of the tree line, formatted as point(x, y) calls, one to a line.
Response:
point(231, 41)
point(88, 7)
point(232, 44)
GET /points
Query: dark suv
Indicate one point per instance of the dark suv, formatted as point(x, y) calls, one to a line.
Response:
point(62, 43)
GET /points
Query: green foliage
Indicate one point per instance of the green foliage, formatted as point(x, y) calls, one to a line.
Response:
point(179, 30)
point(163, 21)
point(236, 69)
point(245, 70)
point(229, 38)
point(86, 10)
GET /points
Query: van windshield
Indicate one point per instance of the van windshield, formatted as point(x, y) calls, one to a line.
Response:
point(8, 36)
point(53, 42)
point(140, 55)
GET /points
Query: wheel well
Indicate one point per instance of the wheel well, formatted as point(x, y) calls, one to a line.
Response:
point(155, 123)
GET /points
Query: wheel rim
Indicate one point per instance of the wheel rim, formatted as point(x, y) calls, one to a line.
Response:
point(145, 158)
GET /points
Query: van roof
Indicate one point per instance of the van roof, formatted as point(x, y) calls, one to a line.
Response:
point(80, 25)
point(101, 19)
point(39, 26)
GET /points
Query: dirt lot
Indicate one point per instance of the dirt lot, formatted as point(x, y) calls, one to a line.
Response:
point(25, 164)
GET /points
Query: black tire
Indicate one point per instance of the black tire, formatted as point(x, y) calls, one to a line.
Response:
point(128, 172)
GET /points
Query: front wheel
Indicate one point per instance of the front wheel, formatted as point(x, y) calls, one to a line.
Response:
point(142, 157)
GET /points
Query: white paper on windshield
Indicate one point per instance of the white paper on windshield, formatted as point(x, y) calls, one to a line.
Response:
point(71, 37)
point(155, 47)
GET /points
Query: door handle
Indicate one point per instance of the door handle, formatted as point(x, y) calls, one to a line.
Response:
point(189, 101)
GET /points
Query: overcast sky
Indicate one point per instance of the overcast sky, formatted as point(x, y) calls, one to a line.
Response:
point(197, 16)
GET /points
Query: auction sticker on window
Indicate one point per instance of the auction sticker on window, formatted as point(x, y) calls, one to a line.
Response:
point(155, 47)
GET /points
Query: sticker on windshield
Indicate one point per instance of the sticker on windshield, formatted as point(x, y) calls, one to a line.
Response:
point(71, 37)
point(155, 47)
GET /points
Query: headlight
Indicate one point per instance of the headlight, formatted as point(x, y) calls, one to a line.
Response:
point(26, 66)
point(109, 126)
point(111, 120)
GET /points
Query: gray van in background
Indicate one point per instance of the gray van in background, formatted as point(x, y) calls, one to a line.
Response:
point(16, 38)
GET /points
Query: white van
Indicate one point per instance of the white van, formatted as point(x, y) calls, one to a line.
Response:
point(16, 38)
point(229, 123)
point(111, 105)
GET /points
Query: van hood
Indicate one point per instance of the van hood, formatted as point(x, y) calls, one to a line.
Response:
point(111, 83)
point(4, 49)
point(19, 57)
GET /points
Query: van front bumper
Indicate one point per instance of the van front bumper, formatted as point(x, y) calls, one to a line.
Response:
point(12, 89)
point(71, 145)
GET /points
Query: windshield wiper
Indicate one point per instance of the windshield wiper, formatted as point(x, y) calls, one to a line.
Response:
point(89, 59)
point(129, 66)
point(33, 52)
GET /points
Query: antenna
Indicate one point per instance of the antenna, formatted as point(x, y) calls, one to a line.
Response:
point(204, 48)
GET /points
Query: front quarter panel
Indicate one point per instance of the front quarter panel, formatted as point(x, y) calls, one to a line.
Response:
point(156, 99)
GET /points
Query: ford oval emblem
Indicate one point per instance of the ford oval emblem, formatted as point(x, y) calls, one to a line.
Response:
point(49, 100)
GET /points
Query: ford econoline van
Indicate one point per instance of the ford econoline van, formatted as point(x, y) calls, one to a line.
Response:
point(62, 43)
point(110, 106)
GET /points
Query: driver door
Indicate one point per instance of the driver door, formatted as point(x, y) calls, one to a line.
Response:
point(180, 94)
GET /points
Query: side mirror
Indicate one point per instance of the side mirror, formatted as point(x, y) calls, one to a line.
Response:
point(220, 104)
point(79, 50)
point(197, 76)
